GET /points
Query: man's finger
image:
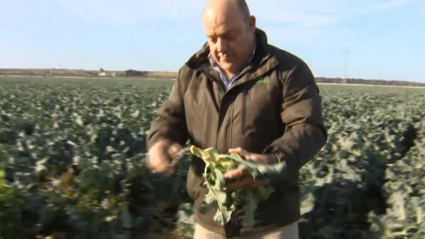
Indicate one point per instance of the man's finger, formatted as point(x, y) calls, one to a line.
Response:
point(240, 151)
point(236, 173)
point(243, 183)
point(175, 150)
point(235, 150)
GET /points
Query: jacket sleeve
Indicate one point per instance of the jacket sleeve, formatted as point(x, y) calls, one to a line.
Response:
point(305, 133)
point(170, 122)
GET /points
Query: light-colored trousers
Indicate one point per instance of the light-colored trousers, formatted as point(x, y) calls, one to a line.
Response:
point(287, 232)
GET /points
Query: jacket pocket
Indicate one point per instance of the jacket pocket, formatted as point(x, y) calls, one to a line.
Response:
point(243, 123)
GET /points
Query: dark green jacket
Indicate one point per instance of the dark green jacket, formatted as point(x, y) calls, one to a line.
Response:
point(273, 106)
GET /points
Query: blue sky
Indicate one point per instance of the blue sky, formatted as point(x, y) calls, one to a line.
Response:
point(386, 37)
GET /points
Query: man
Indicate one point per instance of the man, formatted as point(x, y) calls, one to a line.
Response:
point(241, 94)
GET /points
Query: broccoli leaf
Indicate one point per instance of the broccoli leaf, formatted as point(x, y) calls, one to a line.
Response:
point(226, 201)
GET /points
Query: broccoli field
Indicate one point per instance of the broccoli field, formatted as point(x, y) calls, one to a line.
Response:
point(72, 163)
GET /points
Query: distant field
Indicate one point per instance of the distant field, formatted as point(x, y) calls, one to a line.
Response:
point(172, 76)
point(72, 161)
point(370, 85)
point(59, 73)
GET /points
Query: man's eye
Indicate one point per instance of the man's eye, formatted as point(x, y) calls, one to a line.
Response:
point(230, 36)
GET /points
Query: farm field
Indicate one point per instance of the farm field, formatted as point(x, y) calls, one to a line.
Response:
point(72, 163)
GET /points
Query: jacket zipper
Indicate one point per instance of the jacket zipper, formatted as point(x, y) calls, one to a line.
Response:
point(244, 94)
point(208, 74)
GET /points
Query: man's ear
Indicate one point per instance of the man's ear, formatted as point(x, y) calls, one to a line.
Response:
point(252, 23)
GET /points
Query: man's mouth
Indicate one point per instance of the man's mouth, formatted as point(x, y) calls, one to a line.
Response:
point(226, 58)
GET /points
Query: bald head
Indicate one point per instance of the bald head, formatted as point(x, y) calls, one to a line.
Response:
point(231, 6)
point(230, 30)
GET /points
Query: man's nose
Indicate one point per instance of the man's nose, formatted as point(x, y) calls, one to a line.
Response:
point(221, 45)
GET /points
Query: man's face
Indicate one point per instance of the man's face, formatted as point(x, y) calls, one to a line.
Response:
point(229, 39)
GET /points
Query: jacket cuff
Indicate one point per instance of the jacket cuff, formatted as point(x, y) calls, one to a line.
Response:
point(278, 158)
point(274, 158)
point(274, 155)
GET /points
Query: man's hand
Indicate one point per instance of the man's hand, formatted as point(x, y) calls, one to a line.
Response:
point(240, 178)
point(160, 156)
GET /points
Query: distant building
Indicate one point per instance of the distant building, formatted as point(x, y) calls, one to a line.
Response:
point(105, 73)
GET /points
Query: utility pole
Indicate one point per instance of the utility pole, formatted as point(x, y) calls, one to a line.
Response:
point(346, 51)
